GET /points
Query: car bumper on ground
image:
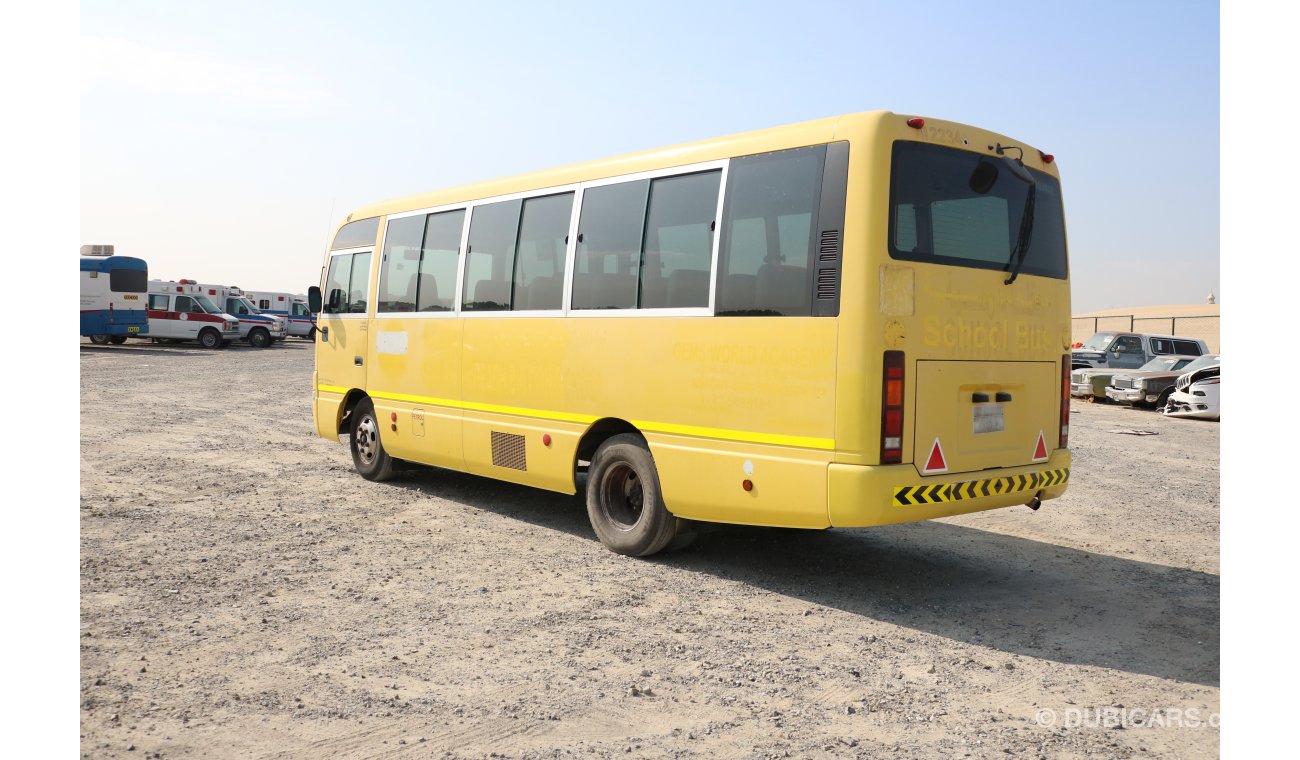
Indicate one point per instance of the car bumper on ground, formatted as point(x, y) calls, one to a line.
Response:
point(1129, 395)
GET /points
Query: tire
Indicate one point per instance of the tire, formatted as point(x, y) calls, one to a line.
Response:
point(209, 338)
point(225, 343)
point(624, 502)
point(1163, 401)
point(117, 340)
point(99, 340)
point(368, 455)
point(259, 338)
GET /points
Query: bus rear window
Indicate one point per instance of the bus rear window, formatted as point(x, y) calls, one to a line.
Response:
point(128, 280)
point(944, 211)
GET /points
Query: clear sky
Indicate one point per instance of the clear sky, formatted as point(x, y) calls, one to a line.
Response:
point(223, 140)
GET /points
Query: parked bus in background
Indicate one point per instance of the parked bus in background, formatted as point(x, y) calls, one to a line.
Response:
point(255, 328)
point(178, 310)
point(301, 322)
point(848, 322)
point(112, 295)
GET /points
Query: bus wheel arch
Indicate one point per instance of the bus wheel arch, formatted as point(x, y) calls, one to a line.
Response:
point(600, 431)
point(343, 425)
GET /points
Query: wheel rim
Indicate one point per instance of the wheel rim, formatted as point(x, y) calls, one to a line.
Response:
point(621, 496)
point(367, 439)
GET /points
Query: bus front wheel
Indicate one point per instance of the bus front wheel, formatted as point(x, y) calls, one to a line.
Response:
point(368, 454)
point(99, 340)
point(210, 338)
point(624, 502)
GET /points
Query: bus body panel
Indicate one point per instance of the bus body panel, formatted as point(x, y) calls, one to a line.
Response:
point(415, 370)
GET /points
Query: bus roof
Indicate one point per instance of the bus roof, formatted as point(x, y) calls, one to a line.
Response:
point(108, 263)
point(760, 141)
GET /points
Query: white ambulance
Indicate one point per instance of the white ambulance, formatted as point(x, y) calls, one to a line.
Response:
point(255, 328)
point(301, 322)
point(178, 310)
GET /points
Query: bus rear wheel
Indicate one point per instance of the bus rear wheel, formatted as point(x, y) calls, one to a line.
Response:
point(624, 503)
point(210, 338)
point(259, 338)
point(368, 454)
point(99, 340)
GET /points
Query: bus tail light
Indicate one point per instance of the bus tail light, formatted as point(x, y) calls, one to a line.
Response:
point(916, 122)
point(1065, 401)
point(891, 409)
point(1047, 157)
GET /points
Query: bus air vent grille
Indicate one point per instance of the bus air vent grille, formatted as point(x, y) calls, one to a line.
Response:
point(830, 247)
point(508, 451)
point(825, 283)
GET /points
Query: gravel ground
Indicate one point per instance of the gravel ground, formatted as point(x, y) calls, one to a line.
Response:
point(245, 594)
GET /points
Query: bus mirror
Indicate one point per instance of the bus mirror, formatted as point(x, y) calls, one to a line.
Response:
point(313, 299)
point(1019, 171)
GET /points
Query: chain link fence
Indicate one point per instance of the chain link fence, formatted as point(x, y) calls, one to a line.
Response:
point(1204, 327)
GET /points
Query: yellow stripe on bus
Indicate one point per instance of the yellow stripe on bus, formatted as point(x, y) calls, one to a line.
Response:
point(742, 436)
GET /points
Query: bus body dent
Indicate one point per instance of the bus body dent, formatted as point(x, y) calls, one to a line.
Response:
point(790, 404)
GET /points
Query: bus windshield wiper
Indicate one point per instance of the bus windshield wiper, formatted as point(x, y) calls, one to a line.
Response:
point(1021, 248)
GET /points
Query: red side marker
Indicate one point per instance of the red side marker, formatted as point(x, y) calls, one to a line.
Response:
point(935, 462)
point(1040, 451)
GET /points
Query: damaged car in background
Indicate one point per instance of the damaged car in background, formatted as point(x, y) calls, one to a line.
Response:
point(1090, 384)
point(1153, 386)
point(1196, 394)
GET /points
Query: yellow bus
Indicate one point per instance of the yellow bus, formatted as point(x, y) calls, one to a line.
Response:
point(848, 322)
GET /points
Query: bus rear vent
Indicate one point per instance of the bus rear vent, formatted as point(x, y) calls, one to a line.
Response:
point(508, 451)
point(828, 254)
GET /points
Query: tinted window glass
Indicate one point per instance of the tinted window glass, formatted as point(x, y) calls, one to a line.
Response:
point(610, 228)
point(187, 304)
point(300, 310)
point(768, 245)
point(436, 287)
point(1187, 348)
point(1162, 346)
point(263, 303)
point(158, 302)
point(956, 207)
point(489, 264)
point(678, 251)
point(1129, 344)
point(401, 263)
point(336, 285)
point(539, 263)
point(128, 280)
point(359, 283)
point(356, 234)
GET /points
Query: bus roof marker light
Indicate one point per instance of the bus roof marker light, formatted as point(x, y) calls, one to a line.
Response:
point(1047, 157)
point(916, 122)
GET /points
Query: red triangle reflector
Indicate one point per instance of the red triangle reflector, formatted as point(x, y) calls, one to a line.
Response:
point(935, 462)
point(1040, 451)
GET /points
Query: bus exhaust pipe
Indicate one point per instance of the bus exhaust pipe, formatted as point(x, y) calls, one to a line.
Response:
point(1034, 503)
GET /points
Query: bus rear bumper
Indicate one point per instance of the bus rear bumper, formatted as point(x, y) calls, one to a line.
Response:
point(861, 496)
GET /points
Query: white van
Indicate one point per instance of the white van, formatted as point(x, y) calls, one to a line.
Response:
point(301, 322)
point(255, 328)
point(178, 310)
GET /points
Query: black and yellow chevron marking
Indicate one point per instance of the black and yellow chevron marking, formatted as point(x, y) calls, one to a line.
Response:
point(906, 496)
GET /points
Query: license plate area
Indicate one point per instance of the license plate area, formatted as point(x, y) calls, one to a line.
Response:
point(133, 329)
point(988, 418)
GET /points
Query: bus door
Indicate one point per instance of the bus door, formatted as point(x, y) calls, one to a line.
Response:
point(343, 328)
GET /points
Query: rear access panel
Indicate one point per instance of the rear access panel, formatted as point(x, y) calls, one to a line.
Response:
point(984, 414)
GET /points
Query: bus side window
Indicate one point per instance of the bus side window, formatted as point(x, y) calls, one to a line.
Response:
point(400, 264)
point(678, 252)
point(539, 269)
point(359, 283)
point(490, 259)
point(610, 228)
point(768, 247)
point(336, 284)
point(436, 284)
